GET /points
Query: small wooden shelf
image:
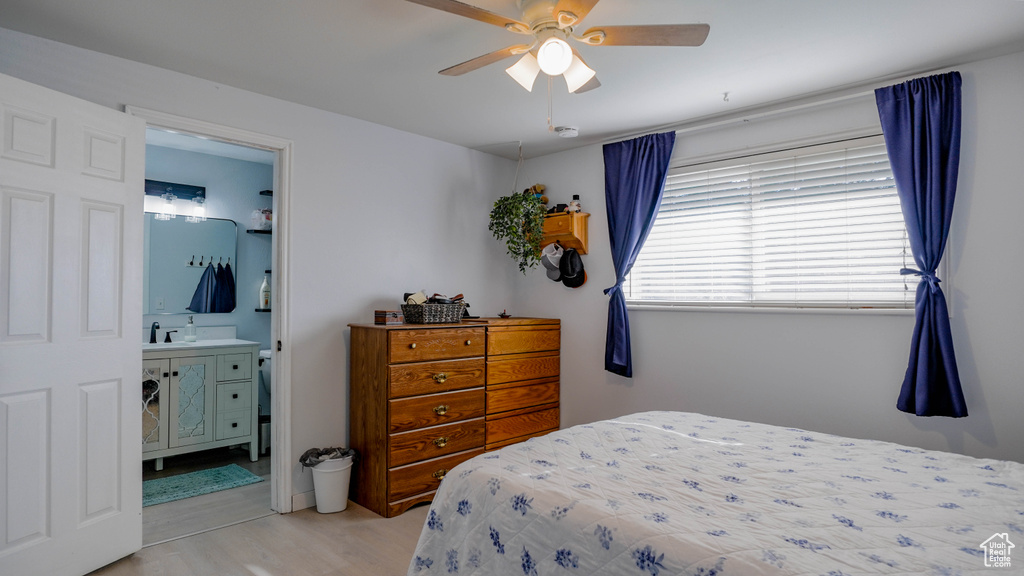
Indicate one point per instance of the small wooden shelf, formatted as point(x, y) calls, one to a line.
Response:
point(251, 231)
point(569, 230)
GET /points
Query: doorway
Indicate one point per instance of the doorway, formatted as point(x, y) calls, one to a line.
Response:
point(247, 157)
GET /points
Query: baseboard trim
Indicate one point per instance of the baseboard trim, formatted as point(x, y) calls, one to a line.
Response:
point(303, 500)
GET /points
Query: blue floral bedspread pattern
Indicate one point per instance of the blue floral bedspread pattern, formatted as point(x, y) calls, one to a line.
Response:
point(670, 493)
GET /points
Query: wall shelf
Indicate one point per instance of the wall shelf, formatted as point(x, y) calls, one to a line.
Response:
point(266, 192)
point(263, 309)
point(251, 231)
point(569, 230)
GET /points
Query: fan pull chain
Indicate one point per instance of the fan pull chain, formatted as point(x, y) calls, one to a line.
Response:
point(551, 127)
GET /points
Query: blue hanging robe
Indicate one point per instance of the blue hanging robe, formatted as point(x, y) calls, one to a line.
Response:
point(203, 299)
point(224, 293)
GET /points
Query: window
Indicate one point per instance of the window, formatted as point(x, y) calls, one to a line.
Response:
point(812, 227)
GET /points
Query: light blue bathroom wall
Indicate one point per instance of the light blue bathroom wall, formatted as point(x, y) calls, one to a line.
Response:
point(232, 192)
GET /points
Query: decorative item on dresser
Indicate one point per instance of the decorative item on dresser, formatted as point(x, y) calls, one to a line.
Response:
point(417, 409)
point(424, 398)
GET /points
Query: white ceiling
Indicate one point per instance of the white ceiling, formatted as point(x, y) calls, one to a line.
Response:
point(378, 59)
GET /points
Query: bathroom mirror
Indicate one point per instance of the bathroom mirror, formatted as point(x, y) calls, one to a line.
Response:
point(177, 252)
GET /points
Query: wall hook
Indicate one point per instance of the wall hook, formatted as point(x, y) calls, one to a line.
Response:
point(192, 262)
point(200, 260)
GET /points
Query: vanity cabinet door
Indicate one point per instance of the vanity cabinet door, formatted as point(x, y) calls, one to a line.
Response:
point(156, 379)
point(193, 393)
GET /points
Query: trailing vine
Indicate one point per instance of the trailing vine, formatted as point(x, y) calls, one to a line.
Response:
point(518, 219)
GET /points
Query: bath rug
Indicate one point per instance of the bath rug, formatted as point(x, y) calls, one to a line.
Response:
point(173, 488)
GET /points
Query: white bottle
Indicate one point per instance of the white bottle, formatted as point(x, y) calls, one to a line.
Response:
point(190, 331)
point(265, 295)
point(574, 204)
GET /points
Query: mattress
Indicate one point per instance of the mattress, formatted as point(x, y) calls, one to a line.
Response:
point(670, 493)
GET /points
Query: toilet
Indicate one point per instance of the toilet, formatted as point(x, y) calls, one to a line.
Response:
point(266, 387)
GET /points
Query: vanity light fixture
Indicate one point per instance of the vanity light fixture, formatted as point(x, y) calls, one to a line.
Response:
point(198, 210)
point(167, 209)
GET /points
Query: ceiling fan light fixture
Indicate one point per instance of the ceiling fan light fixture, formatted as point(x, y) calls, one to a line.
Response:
point(554, 56)
point(525, 71)
point(577, 74)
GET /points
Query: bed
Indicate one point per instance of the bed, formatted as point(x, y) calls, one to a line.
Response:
point(671, 493)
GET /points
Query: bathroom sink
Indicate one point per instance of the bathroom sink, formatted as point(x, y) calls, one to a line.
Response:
point(168, 345)
point(199, 344)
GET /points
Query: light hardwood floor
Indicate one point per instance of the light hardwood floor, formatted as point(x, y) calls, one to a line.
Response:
point(304, 543)
point(172, 520)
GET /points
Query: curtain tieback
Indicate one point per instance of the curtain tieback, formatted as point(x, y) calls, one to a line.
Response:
point(929, 277)
point(618, 287)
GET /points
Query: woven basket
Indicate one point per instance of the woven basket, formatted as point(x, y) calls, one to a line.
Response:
point(433, 313)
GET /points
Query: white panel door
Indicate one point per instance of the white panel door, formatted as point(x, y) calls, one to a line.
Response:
point(71, 189)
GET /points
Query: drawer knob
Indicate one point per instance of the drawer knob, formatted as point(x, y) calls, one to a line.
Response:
point(441, 442)
point(234, 424)
point(413, 345)
point(440, 377)
point(439, 475)
point(441, 410)
point(468, 342)
point(234, 396)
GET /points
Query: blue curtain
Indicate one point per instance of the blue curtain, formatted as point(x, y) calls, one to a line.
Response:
point(921, 126)
point(634, 178)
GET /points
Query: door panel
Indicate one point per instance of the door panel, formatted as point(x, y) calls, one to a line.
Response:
point(71, 189)
point(25, 265)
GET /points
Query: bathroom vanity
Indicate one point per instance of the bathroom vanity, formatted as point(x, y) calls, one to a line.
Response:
point(197, 396)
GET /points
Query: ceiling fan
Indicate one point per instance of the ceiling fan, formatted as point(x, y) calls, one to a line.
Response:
point(551, 24)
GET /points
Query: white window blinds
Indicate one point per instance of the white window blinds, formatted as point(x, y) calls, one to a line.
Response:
point(812, 227)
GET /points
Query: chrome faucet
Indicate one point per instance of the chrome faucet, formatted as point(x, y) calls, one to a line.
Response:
point(152, 332)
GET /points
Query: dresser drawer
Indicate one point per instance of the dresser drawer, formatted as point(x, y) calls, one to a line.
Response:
point(435, 344)
point(512, 341)
point(425, 476)
point(503, 429)
point(516, 397)
point(234, 396)
point(409, 447)
point(522, 367)
point(435, 409)
point(432, 377)
point(234, 367)
point(234, 424)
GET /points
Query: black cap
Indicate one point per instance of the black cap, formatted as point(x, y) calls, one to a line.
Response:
point(571, 267)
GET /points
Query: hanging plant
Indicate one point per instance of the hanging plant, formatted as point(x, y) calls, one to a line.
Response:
point(518, 219)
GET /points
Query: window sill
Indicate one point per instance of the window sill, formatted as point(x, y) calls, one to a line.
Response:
point(769, 309)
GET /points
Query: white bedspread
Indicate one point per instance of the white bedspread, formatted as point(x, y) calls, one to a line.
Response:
point(669, 493)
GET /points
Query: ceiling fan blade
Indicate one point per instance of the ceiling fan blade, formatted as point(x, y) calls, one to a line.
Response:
point(654, 35)
point(590, 85)
point(481, 61)
point(456, 7)
point(578, 8)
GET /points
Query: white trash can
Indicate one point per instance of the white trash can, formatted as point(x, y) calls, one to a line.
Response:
point(330, 484)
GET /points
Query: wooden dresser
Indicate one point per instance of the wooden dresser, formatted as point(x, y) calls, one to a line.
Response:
point(426, 397)
point(417, 409)
point(522, 379)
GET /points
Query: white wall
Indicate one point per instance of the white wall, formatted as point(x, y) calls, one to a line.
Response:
point(374, 212)
point(829, 372)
